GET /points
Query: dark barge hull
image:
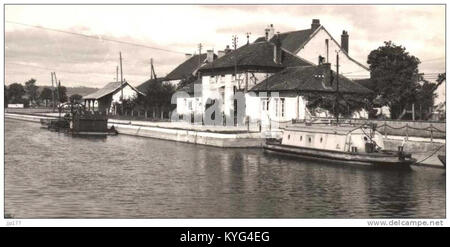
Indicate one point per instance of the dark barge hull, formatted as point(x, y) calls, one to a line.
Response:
point(442, 159)
point(388, 160)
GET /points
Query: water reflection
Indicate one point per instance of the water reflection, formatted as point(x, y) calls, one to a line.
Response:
point(53, 175)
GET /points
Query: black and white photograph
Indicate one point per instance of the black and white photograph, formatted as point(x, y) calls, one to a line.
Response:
point(238, 112)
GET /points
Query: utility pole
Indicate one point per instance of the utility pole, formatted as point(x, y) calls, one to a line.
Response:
point(152, 70)
point(53, 93)
point(199, 58)
point(121, 80)
point(337, 88)
point(59, 96)
point(57, 88)
point(117, 73)
point(235, 42)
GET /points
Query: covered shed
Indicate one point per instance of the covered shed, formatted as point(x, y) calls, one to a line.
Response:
point(105, 98)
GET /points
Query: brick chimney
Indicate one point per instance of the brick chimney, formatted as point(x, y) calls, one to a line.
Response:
point(277, 50)
point(344, 41)
point(271, 32)
point(315, 24)
point(210, 56)
point(227, 49)
point(325, 71)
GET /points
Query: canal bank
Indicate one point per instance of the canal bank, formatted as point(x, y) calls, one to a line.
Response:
point(129, 177)
point(238, 137)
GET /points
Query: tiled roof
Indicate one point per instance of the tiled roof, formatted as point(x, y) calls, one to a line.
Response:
point(255, 55)
point(291, 41)
point(144, 86)
point(108, 89)
point(189, 88)
point(187, 68)
point(308, 79)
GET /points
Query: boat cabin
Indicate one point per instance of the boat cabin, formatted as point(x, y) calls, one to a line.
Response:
point(334, 138)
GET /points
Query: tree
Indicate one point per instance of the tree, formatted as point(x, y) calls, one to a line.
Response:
point(31, 90)
point(15, 93)
point(61, 94)
point(347, 104)
point(157, 96)
point(6, 93)
point(76, 98)
point(425, 95)
point(46, 95)
point(394, 74)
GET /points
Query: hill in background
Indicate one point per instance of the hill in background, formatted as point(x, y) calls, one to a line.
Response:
point(76, 90)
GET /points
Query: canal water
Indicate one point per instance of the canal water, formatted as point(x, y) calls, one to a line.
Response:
point(51, 175)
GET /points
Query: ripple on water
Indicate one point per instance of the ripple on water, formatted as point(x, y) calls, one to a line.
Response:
point(51, 175)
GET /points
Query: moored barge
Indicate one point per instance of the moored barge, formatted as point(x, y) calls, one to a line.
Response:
point(81, 123)
point(361, 145)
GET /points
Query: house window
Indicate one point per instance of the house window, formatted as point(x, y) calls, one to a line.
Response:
point(282, 107)
point(277, 113)
point(190, 105)
point(265, 104)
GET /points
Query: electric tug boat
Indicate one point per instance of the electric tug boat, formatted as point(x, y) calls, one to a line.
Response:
point(361, 145)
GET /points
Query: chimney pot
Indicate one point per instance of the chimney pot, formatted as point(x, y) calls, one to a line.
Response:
point(344, 41)
point(315, 24)
point(277, 50)
point(325, 69)
point(270, 32)
point(210, 56)
point(227, 49)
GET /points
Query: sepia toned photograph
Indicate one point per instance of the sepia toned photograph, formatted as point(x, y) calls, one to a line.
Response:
point(115, 111)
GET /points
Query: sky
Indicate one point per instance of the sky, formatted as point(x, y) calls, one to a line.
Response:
point(178, 29)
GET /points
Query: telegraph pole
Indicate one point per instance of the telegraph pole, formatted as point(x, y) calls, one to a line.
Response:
point(152, 70)
point(337, 88)
point(199, 53)
point(59, 97)
point(117, 73)
point(57, 87)
point(199, 58)
point(235, 42)
point(121, 80)
point(53, 94)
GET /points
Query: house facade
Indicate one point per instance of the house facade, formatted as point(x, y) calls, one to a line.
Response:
point(227, 80)
point(266, 80)
point(315, 42)
point(282, 96)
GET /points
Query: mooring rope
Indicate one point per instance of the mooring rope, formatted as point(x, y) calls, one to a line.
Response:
point(434, 152)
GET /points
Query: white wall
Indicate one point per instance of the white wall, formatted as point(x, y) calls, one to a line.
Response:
point(294, 108)
point(316, 47)
point(216, 87)
point(128, 93)
point(189, 105)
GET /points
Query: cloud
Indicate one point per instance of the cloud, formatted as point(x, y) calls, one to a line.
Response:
point(82, 61)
